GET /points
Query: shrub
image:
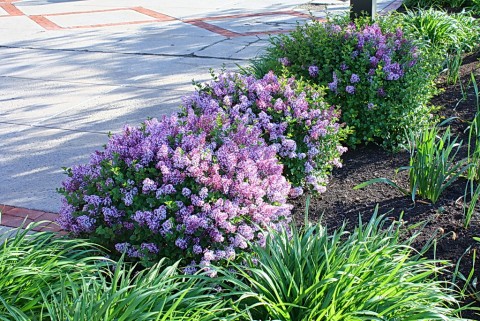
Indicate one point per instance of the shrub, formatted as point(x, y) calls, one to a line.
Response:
point(369, 274)
point(291, 115)
point(196, 188)
point(377, 78)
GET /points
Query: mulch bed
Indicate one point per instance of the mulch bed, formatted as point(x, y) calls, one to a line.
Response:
point(444, 219)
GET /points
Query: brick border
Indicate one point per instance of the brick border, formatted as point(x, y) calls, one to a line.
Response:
point(12, 216)
point(202, 23)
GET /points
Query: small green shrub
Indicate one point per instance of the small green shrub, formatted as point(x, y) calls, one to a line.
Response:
point(366, 275)
point(379, 79)
point(159, 293)
point(473, 156)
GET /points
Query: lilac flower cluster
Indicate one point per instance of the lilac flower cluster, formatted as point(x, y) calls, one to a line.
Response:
point(199, 187)
point(291, 116)
point(383, 51)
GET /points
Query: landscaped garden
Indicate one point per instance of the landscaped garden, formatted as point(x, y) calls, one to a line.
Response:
point(336, 178)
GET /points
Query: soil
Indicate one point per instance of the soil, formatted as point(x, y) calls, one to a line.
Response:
point(444, 220)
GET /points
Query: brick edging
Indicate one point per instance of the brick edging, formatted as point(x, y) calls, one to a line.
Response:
point(12, 216)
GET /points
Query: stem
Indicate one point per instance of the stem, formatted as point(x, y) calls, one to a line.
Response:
point(307, 206)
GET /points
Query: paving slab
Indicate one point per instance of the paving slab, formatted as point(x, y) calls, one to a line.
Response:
point(121, 106)
point(150, 71)
point(31, 101)
point(31, 162)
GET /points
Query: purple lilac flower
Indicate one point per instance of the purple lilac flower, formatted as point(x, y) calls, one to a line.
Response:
point(333, 85)
point(313, 71)
point(186, 192)
point(181, 243)
point(350, 89)
point(150, 247)
point(85, 223)
point(354, 78)
point(148, 185)
point(284, 61)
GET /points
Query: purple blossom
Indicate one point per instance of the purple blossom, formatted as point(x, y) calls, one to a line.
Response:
point(181, 243)
point(354, 79)
point(284, 61)
point(150, 247)
point(186, 192)
point(148, 185)
point(350, 89)
point(313, 71)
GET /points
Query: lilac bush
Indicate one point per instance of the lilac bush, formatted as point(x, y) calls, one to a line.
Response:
point(379, 79)
point(198, 188)
point(291, 116)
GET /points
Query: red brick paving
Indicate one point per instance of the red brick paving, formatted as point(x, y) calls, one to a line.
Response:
point(16, 216)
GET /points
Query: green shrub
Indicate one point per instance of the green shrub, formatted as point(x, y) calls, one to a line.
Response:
point(379, 79)
point(158, 293)
point(366, 275)
point(31, 264)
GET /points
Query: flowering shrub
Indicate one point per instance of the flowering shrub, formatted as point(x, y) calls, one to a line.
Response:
point(196, 188)
point(291, 115)
point(377, 78)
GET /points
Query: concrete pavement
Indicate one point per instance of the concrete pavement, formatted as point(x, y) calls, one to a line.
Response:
point(73, 70)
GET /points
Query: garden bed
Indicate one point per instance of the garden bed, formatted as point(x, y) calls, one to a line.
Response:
point(445, 219)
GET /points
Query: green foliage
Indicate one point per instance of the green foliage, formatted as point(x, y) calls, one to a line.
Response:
point(366, 275)
point(378, 79)
point(470, 287)
point(438, 3)
point(436, 32)
point(44, 277)
point(473, 157)
point(433, 164)
point(158, 293)
point(33, 263)
point(470, 200)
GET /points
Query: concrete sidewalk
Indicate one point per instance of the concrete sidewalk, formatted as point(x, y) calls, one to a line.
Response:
point(73, 70)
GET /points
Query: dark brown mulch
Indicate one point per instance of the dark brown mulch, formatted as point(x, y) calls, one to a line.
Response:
point(445, 219)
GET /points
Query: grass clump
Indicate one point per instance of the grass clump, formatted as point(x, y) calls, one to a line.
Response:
point(368, 274)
